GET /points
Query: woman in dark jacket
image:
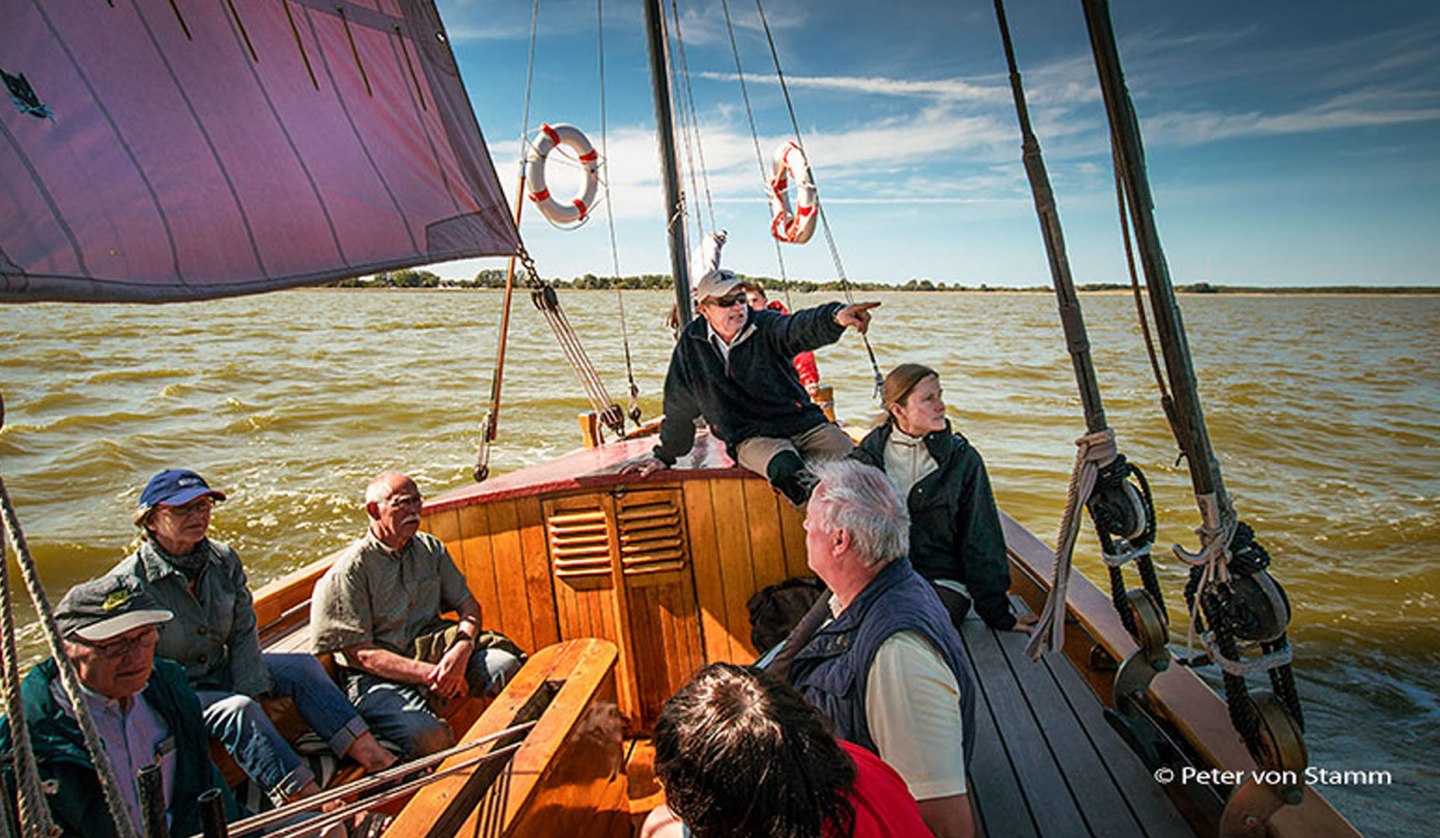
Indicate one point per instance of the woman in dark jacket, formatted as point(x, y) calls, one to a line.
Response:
point(955, 536)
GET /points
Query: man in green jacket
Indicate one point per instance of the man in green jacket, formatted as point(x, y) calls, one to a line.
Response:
point(144, 711)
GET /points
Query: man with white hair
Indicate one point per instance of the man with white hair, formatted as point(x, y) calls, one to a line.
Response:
point(378, 609)
point(888, 668)
point(733, 366)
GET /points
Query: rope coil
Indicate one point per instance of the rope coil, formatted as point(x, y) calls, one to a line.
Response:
point(1092, 451)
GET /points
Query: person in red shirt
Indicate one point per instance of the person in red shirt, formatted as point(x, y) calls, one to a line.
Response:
point(740, 752)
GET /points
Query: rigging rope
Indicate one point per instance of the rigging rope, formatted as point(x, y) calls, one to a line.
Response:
point(544, 297)
point(689, 109)
point(1123, 512)
point(634, 388)
point(529, 82)
point(755, 140)
point(490, 423)
point(34, 811)
point(1124, 516)
point(1230, 562)
point(1167, 403)
point(824, 220)
point(412, 773)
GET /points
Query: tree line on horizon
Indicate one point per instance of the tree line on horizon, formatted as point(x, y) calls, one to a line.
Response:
point(492, 278)
point(495, 278)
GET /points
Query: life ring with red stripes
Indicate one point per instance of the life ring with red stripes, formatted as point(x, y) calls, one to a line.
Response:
point(790, 165)
point(550, 136)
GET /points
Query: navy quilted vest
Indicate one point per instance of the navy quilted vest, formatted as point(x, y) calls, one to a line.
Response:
point(831, 670)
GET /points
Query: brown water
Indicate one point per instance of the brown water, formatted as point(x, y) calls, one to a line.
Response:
point(1325, 412)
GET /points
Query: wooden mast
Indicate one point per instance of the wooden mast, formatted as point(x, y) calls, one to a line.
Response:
point(1192, 434)
point(1071, 316)
point(1271, 724)
point(670, 168)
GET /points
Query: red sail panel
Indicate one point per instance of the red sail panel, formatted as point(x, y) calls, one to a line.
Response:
point(153, 151)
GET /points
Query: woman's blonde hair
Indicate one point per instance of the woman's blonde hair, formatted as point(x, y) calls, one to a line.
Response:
point(142, 518)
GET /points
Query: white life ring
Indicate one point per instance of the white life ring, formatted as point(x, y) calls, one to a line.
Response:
point(791, 165)
point(549, 137)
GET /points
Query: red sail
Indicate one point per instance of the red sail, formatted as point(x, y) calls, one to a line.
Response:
point(154, 151)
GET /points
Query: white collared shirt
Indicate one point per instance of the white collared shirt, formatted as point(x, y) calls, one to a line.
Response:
point(725, 348)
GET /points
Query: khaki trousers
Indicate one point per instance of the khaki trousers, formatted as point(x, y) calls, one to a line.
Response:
point(822, 442)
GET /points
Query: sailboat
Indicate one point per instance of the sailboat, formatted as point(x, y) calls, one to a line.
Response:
point(307, 142)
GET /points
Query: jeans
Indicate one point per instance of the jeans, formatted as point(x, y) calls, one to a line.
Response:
point(240, 723)
point(399, 713)
point(321, 704)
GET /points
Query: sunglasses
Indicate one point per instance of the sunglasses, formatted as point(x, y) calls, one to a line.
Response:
point(726, 302)
point(194, 507)
point(120, 648)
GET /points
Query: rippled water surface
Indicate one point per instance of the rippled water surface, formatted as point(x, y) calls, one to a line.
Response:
point(1325, 412)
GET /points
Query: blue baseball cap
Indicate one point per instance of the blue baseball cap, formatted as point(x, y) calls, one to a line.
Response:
point(176, 487)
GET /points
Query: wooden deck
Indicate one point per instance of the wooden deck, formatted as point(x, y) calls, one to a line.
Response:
point(1046, 762)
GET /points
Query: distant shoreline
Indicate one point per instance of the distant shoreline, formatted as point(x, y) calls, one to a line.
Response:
point(1297, 291)
point(495, 279)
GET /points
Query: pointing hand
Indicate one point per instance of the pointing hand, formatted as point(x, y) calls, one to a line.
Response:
point(856, 315)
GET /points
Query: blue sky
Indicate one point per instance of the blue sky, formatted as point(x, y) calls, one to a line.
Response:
point(1290, 142)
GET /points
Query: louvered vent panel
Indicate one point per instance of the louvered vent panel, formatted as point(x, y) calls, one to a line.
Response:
point(579, 543)
point(650, 538)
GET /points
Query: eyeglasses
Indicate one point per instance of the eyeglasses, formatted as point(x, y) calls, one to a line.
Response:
point(194, 507)
point(117, 649)
point(726, 302)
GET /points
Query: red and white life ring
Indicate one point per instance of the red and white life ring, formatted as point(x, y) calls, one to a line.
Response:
point(791, 165)
point(549, 137)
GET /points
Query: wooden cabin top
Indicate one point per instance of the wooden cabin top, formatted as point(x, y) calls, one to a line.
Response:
point(595, 468)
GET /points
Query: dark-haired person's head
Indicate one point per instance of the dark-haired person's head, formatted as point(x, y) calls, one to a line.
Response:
point(740, 752)
point(755, 296)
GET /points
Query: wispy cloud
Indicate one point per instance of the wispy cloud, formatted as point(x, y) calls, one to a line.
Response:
point(467, 20)
point(945, 89)
point(1349, 111)
point(892, 161)
point(706, 25)
point(1382, 78)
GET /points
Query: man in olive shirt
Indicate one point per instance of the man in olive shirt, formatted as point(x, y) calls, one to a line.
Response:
point(378, 610)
